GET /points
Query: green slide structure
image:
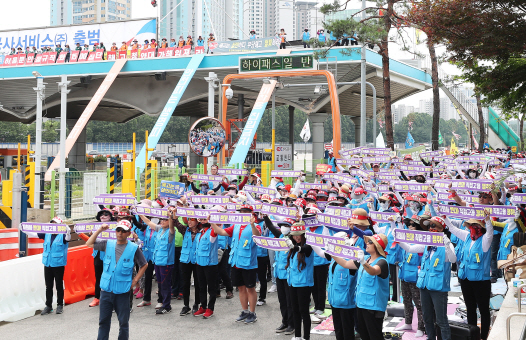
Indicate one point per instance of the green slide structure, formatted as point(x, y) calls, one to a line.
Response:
point(501, 129)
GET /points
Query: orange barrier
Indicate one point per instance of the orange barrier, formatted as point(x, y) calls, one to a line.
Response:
point(8, 244)
point(79, 274)
point(34, 246)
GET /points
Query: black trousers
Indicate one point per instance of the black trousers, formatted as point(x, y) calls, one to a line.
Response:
point(54, 275)
point(300, 310)
point(188, 269)
point(262, 276)
point(207, 276)
point(98, 273)
point(319, 290)
point(343, 320)
point(285, 302)
point(148, 277)
point(177, 276)
point(282, 46)
point(477, 294)
point(370, 323)
point(224, 272)
point(393, 275)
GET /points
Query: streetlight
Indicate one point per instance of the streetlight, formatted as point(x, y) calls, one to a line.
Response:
point(41, 86)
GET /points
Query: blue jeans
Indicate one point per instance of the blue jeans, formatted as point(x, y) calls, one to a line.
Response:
point(121, 304)
point(434, 305)
point(495, 244)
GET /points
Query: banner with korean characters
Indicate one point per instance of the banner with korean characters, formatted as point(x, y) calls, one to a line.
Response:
point(518, 161)
point(331, 221)
point(411, 187)
point(225, 218)
point(377, 159)
point(92, 226)
point(518, 199)
point(348, 162)
point(170, 189)
point(462, 212)
point(362, 173)
point(431, 154)
point(502, 211)
point(277, 244)
point(272, 209)
point(350, 152)
point(384, 171)
point(383, 187)
point(442, 185)
point(259, 190)
point(285, 173)
point(153, 212)
point(369, 186)
point(232, 172)
point(321, 241)
point(210, 199)
point(346, 179)
point(110, 234)
point(472, 184)
point(343, 251)
point(338, 211)
point(192, 213)
point(114, 200)
point(323, 168)
point(419, 237)
point(207, 178)
point(387, 177)
point(44, 228)
point(322, 205)
point(233, 206)
point(375, 151)
point(415, 168)
point(381, 217)
point(311, 221)
point(315, 186)
point(446, 197)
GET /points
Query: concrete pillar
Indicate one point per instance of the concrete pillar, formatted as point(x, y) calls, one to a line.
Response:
point(194, 159)
point(317, 133)
point(357, 130)
point(77, 155)
point(291, 128)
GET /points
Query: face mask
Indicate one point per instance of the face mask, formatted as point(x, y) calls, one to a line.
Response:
point(415, 206)
point(204, 188)
point(384, 205)
point(303, 178)
point(472, 175)
point(420, 179)
point(285, 230)
point(475, 232)
point(358, 198)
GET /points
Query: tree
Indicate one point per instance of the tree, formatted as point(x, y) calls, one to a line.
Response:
point(49, 131)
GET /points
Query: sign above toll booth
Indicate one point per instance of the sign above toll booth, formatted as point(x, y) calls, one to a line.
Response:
point(277, 63)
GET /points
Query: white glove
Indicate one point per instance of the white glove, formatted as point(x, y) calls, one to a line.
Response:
point(348, 242)
point(398, 218)
point(360, 256)
point(446, 240)
point(289, 243)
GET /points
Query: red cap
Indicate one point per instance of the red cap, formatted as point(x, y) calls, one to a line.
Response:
point(246, 206)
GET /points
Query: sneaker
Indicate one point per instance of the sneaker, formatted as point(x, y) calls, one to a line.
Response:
point(273, 289)
point(200, 311)
point(46, 310)
point(60, 309)
point(314, 319)
point(185, 311)
point(261, 302)
point(136, 290)
point(258, 287)
point(242, 316)
point(229, 295)
point(158, 305)
point(163, 311)
point(180, 296)
point(144, 303)
point(289, 330)
point(312, 310)
point(94, 303)
point(251, 318)
point(319, 314)
point(139, 295)
point(208, 314)
point(194, 308)
point(281, 328)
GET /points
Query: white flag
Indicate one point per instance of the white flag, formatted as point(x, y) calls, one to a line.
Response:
point(305, 132)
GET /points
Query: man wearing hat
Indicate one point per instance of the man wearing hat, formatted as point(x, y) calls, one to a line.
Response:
point(120, 257)
point(78, 47)
point(243, 259)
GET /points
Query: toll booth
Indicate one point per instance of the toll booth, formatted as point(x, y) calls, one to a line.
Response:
point(9, 160)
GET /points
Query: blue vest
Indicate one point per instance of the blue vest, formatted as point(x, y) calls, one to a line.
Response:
point(303, 278)
point(355, 205)
point(280, 262)
point(223, 242)
point(189, 247)
point(394, 254)
point(342, 287)
point(95, 252)
point(206, 251)
point(409, 266)
point(305, 36)
point(475, 263)
point(321, 37)
point(56, 253)
point(243, 254)
point(117, 277)
point(139, 233)
point(372, 292)
point(262, 252)
point(434, 272)
point(164, 253)
point(319, 261)
point(149, 244)
point(506, 241)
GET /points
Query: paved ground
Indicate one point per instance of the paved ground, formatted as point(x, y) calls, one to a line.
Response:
point(81, 322)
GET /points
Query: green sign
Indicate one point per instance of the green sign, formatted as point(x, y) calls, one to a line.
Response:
point(276, 63)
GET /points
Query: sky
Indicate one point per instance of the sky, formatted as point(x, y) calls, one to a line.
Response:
point(35, 13)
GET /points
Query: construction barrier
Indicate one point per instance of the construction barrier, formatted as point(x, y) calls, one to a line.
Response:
point(35, 246)
point(79, 275)
point(6, 217)
point(23, 288)
point(8, 244)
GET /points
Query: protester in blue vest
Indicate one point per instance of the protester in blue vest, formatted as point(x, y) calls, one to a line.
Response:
point(149, 240)
point(55, 258)
point(433, 278)
point(332, 161)
point(474, 269)
point(372, 285)
point(243, 259)
point(342, 294)
point(305, 37)
point(117, 278)
point(511, 227)
point(300, 270)
point(163, 258)
point(321, 35)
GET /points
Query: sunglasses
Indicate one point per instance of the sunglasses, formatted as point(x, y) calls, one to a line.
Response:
point(484, 196)
point(370, 242)
point(163, 219)
point(120, 230)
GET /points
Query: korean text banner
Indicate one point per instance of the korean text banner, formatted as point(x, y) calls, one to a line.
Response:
point(92, 226)
point(343, 251)
point(518, 199)
point(316, 186)
point(249, 45)
point(472, 184)
point(236, 172)
point(381, 217)
point(419, 237)
point(113, 200)
point(211, 199)
point(322, 241)
point(259, 190)
point(44, 228)
point(285, 173)
point(278, 244)
point(462, 212)
point(192, 213)
point(333, 221)
point(83, 34)
point(375, 151)
point(338, 211)
point(411, 187)
point(206, 177)
point(153, 212)
point(272, 209)
point(503, 211)
point(225, 218)
point(171, 189)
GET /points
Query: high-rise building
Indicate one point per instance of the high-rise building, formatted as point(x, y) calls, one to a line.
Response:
point(75, 12)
